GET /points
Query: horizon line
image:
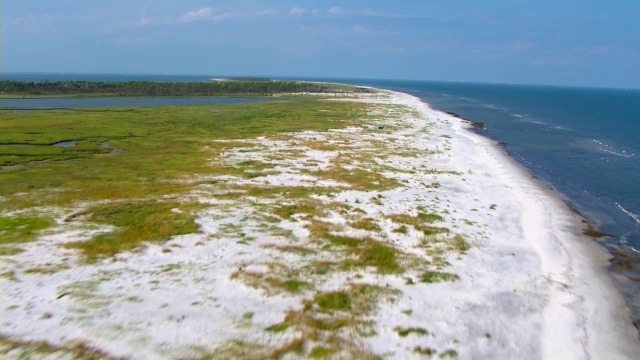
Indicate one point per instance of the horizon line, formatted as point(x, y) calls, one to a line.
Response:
point(302, 77)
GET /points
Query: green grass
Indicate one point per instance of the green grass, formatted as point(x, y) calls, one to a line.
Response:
point(436, 276)
point(21, 229)
point(368, 253)
point(460, 244)
point(330, 316)
point(21, 349)
point(156, 145)
point(412, 330)
point(365, 224)
point(426, 351)
point(136, 222)
point(421, 222)
point(333, 301)
point(142, 153)
point(449, 354)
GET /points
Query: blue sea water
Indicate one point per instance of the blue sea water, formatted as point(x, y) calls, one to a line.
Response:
point(582, 142)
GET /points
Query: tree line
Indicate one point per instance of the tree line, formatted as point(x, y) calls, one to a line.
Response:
point(149, 88)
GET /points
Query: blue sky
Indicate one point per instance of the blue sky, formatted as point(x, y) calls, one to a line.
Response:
point(562, 42)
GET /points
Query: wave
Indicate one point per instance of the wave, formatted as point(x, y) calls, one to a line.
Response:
point(635, 217)
point(494, 107)
point(610, 150)
point(561, 128)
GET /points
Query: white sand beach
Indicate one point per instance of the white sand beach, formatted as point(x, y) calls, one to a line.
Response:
point(524, 284)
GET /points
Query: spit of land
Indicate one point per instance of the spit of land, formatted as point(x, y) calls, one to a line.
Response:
point(353, 226)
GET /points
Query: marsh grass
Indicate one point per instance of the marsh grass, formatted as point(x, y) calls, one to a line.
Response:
point(136, 222)
point(294, 249)
point(155, 143)
point(279, 279)
point(158, 149)
point(404, 332)
point(326, 320)
point(20, 229)
point(436, 276)
point(421, 222)
point(21, 349)
point(367, 224)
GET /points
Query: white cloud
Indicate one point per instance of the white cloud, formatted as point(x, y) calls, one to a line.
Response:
point(296, 11)
point(335, 10)
point(204, 13)
point(360, 29)
point(366, 12)
point(266, 13)
point(522, 46)
point(145, 19)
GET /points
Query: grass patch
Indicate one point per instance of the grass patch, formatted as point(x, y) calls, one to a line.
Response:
point(278, 279)
point(333, 301)
point(380, 256)
point(449, 354)
point(368, 253)
point(367, 224)
point(421, 222)
point(294, 249)
point(330, 318)
point(306, 208)
point(412, 330)
point(436, 276)
point(136, 222)
point(460, 244)
point(158, 148)
point(21, 229)
point(426, 351)
point(41, 349)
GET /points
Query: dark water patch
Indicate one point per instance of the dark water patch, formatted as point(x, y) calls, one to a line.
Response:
point(18, 111)
point(65, 144)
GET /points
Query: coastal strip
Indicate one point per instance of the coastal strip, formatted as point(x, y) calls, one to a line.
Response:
point(585, 316)
point(401, 236)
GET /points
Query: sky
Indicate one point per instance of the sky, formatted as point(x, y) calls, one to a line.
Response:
point(558, 42)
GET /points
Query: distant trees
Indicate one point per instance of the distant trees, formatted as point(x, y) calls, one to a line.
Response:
point(148, 88)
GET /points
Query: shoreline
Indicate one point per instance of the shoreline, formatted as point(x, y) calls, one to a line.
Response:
point(505, 272)
point(623, 265)
point(608, 319)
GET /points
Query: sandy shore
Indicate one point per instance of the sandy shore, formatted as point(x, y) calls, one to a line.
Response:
point(582, 314)
point(529, 286)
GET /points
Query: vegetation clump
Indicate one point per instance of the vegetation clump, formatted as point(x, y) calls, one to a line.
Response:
point(150, 88)
point(135, 222)
point(21, 229)
point(436, 276)
point(412, 330)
